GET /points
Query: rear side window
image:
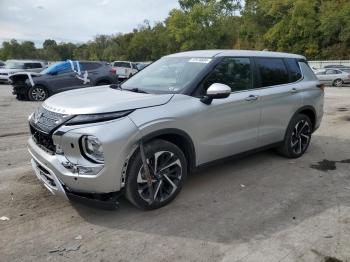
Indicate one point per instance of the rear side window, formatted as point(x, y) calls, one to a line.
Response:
point(294, 69)
point(272, 71)
point(332, 72)
point(89, 66)
point(122, 64)
point(37, 65)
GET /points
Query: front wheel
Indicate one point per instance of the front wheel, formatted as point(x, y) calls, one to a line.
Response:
point(298, 137)
point(37, 93)
point(168, 169)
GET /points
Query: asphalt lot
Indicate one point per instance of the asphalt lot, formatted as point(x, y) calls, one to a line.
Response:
point(259, 208)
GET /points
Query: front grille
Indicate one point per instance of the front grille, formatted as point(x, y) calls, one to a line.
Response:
point(42, 139)
point(46, 120)
point(42, 123)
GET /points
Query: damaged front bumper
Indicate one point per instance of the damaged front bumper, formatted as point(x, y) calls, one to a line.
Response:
point(56, 187)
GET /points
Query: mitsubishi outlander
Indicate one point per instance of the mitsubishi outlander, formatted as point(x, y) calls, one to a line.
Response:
point(142, 138)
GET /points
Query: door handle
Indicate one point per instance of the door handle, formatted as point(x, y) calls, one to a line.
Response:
point(251, 98)
point(294, 91)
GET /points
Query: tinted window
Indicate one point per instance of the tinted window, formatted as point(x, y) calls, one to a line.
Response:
point(294, 69)
point(272, 71)
point(89, 66)
point(122, 64)
point(37, 65)
point(234, 72)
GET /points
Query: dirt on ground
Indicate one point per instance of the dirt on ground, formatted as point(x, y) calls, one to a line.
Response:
point(262, 207)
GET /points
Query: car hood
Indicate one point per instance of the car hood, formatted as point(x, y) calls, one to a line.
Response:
point(102, 99)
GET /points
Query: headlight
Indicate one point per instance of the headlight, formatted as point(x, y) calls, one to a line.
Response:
point(93, 118)
point(92, 149)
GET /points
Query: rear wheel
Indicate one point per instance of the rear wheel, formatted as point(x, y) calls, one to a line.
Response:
point(297, 138)
point(338, 83)
point(168, 170)
point(37, 93)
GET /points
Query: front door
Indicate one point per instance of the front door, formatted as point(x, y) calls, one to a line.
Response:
point(228, 126)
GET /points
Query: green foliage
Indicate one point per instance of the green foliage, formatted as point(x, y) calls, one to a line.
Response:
point(318, 29)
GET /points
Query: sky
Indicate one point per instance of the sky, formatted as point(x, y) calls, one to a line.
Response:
point(76, 21)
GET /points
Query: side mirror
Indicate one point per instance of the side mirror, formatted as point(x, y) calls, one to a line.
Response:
point(216, 91)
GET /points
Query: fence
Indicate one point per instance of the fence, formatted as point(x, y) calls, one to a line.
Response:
point(321, 64)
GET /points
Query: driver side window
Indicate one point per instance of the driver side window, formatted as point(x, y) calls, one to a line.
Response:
point(232, 71)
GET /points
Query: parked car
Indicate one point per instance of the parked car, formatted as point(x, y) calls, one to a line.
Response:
point(61, 77)
point(124, 69)
point(335, 66)
point(14, 66)
point(181, 112)
point(334, 77)
point(2, 64)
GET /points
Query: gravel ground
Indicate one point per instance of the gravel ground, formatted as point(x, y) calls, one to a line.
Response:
point(259, 208)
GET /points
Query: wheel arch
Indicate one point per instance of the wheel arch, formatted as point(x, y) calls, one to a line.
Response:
point(178, 137)
point(307, 110)
point(333, 82)
point(102, 80)
point(49, 93)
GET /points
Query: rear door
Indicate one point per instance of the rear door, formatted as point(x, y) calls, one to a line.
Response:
point(280, 96)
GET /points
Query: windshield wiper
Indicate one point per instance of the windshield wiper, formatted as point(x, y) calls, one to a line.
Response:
point(137, 90)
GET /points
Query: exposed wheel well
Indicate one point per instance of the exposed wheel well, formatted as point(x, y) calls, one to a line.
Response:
point(103, 81)
point(311, 114)
point(182, 141)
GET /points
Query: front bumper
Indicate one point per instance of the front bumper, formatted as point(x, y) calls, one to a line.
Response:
point(48, 177)
point(110, 179)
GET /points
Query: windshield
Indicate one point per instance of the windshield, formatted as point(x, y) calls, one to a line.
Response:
point(167, 75)
point(14, 65)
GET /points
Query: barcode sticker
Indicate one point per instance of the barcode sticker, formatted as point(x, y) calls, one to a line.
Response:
point(200, 60)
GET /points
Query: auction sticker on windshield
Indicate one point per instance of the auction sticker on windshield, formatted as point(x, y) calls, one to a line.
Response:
point(200, 60)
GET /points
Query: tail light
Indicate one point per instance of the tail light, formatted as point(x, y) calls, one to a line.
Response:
point(113, 71)
point(321, 86)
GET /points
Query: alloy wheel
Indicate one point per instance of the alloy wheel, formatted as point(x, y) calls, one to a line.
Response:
point(338, 82)
point(301, 136)
point(166, 172)
point(38, 94)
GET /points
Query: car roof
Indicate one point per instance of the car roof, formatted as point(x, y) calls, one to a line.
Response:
point(25, 61)
point(220, 53)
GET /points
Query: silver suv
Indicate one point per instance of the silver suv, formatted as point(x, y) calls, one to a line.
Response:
point(144, 137)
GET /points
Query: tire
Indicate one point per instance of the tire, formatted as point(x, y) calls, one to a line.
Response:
point(166, 185)
point(338, 82)
point(103, 83)
point(37, 93)
point(297, 138)
point(130, 75)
